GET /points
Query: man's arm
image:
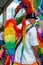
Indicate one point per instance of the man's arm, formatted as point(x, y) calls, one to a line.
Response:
point(34, 44)
point(17, 10)
point(35, 49)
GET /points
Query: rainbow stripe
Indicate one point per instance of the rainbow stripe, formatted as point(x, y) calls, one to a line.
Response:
point(20, 39)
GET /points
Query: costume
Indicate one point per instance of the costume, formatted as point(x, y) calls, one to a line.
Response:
point(19, 45)
point(28, 55)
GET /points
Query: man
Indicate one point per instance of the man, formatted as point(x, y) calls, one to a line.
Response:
point(30, 53)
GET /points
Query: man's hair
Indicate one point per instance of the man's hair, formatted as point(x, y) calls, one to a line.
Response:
point(32, 15)
point(19, 0)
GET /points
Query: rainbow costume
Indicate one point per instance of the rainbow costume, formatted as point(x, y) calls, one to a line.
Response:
point(16, 42)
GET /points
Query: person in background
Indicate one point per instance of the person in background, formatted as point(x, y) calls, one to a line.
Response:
point(2, 50)
point(2, 44)
point(1, 35)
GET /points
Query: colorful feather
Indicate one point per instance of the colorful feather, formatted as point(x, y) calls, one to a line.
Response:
point(10, 37)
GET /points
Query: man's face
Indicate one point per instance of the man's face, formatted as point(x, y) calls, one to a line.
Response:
point(32, 20)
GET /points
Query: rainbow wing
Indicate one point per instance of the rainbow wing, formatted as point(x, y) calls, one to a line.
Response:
point(9, 37)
